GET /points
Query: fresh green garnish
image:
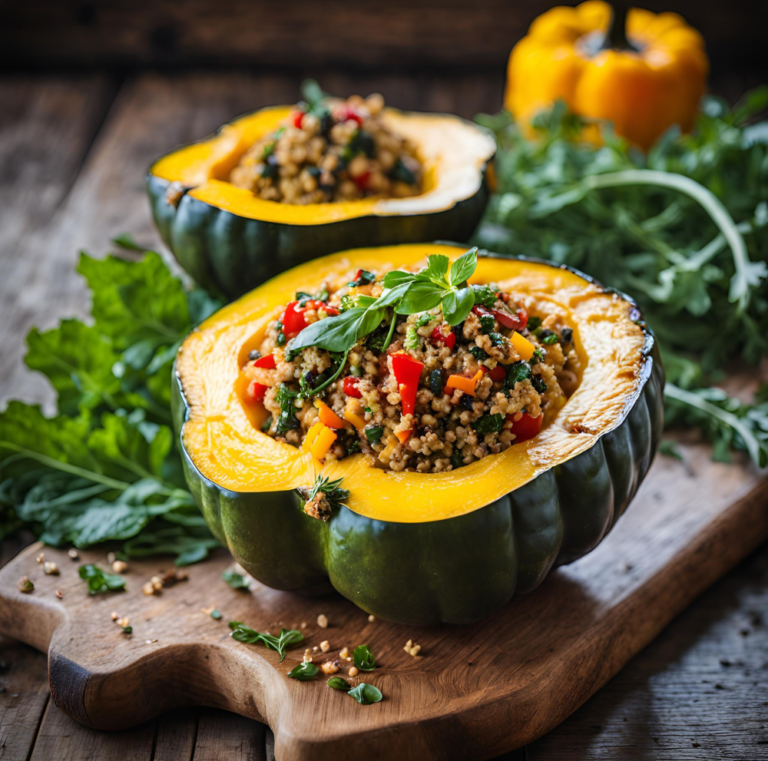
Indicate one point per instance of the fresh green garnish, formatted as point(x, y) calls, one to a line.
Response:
point(127, 630)
point(533, 323)
point(363, 658)
point(266, 425)
point(439, 284)
point(424, 319)
point(216, 615)
point(538, 356)
point(279, 644)
point(487, 323)
point(332, 490)
point(478, 353)
point(286, 398)
point(365, 694)
point(236, 580)
point(304, 672)
point(485, 295)
point(538, 384)
point(106, 466)
point(100, 581)
point(517, 372)
point(337, 683)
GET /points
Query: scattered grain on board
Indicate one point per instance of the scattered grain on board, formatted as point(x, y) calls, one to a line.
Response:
point(25, 585)
point(322, 621)
point(329, 667)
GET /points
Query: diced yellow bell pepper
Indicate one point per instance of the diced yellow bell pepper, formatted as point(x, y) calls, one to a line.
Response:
point(312, 434)
point(355, 419)
point(522, 345)
point(322, 443)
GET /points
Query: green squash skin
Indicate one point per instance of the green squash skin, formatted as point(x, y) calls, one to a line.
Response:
point(231, 255)
point(457, 570)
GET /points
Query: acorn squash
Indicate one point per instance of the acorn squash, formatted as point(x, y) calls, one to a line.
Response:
point(229, 240)
point(424, 548)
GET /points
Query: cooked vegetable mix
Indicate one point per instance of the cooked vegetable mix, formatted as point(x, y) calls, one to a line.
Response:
point(415, 369)
point(416, 547)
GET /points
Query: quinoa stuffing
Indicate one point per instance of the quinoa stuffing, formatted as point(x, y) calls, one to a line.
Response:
point(329, 150)
point(416, 371)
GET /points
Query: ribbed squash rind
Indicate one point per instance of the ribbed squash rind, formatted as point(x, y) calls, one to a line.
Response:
point(455, 570)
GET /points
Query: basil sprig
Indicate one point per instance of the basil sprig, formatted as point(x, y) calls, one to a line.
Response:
point(279, 644)
point(440, 283)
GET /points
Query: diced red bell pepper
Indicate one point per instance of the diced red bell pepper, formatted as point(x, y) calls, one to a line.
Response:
point(362, 180)
point(527, 427)
point(350, 387)
point(516, 321)
point(407, 372)
point(257, 391)
point(297, 118)
point(346, 114)
point(481, 311)
point(293, 320)
point(498, 374)
point(267, 362)
point(438, 337)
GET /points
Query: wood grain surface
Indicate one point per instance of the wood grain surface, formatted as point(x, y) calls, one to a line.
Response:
point(664, 705)
point(472, 693)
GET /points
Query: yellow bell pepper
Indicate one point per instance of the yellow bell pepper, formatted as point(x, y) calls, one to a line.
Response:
point(643, 83)
point(322, 443)
point(312, 434)
point(522, 346)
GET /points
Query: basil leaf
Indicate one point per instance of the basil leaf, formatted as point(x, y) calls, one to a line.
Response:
point(337, 683)
point(304, 672)
point(517, 372)
point(366, 694)
point(464, 267)
point(100, 581)
point(392, 297)
point(397, 277)
point(437, 267)
point(337, 333)
point(457, 305)
point(420, 297)
point(363, 658)
point(374, 434)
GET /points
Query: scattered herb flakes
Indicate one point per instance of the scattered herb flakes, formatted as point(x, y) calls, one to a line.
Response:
point(127, 630)
point(100, 581)
point(236, 580)
point(338, 683)
point(366, 694)
point(279, 644)
point(363, 658)
point(304, 672)
point(216, 615)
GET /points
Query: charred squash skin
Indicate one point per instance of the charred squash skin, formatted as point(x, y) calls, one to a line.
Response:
point(455, 570)
point(229, 251)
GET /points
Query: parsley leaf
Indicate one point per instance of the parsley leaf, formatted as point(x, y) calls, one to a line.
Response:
point(100, 581)
point(236, 580)
point(279, 644)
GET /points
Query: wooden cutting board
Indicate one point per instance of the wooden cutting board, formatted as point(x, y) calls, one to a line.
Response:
point(472, 692)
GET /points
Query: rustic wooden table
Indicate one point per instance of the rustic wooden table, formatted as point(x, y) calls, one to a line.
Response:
point(73, 151)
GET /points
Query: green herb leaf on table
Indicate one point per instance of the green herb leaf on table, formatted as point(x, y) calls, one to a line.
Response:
point(363, 658)
point(279, 644)
point(236, 580)
point(338, 683)
point(304, 672)
point(366, 694)
point(100, 581)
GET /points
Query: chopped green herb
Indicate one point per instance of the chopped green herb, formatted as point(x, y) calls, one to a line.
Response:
point(279, 644)
point(304, 672)
point(436, 382)
point(332, 490)
point(487, 323)
point(363, 658)
point(374, 434)
point(538, 356)
point(216, 615)
point(485, 295)
point(365, 694)
point(287, 421)
point(424, 320)
point(517, 372)
point(478, 353)
point(337, 683)
point(364, 278)
point(127, 630)
point(538, 384)
point(533, 323)
point(456, 459)
point(401, 173)
point(489, 423)
point(236, 580)
point(411, 339)
point(100, 581)
point(497, 339)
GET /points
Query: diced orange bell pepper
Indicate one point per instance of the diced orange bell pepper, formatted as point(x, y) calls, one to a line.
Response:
point(312, 434)
point(522, 345)
point(465, 385)
point(403, 436)
point(328, 416)
point(322, 443)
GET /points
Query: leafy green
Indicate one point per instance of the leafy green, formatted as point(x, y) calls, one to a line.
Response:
point(100, 581)
point(279, 644)
point(489, 423)
point(107, 467)
point(304, 672)
point(236, 580)
point(683, 229)
point(338, 683)
point(332, 490)
point(363, 658)
point(366, 694)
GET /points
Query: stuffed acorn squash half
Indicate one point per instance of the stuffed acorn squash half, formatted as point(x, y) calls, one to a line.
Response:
point(429, 430)
point(280, 186)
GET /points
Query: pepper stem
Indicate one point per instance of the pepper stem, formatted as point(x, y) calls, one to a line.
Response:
point(616, 37)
